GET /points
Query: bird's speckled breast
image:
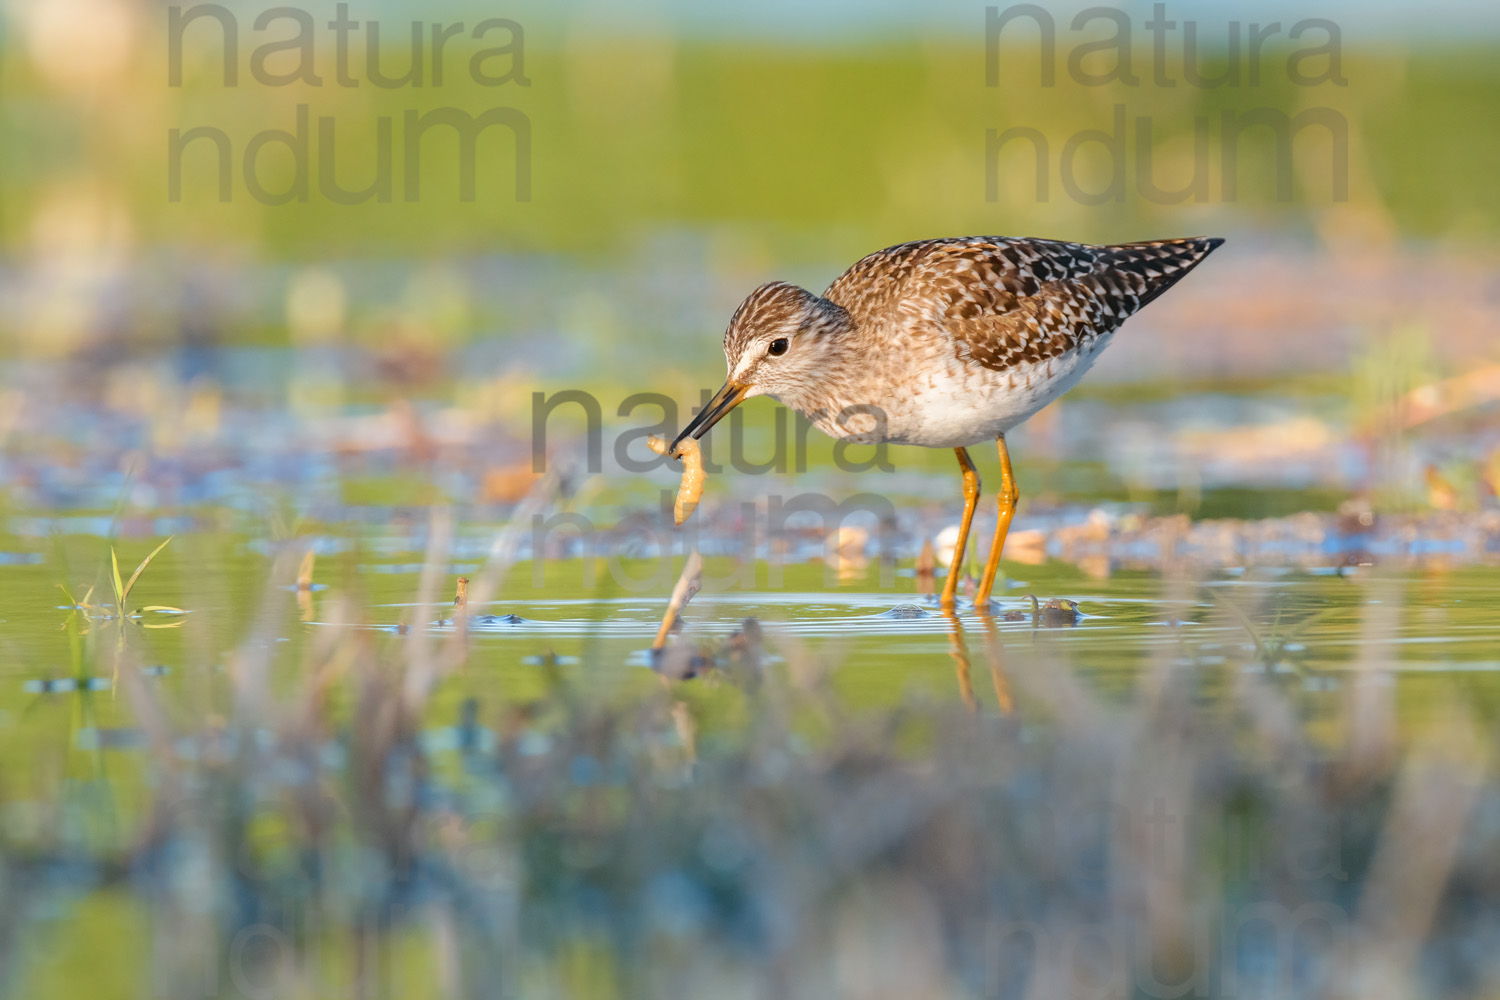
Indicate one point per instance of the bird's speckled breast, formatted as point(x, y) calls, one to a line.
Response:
point(960, 405)
point(924, 395)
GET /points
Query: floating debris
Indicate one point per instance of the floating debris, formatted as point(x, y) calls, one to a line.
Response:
point(903, 612)
point(1057, 612)
point(492, 620)
point(460, 612)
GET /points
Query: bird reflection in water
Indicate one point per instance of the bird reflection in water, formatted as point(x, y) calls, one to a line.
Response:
point(1058, 612)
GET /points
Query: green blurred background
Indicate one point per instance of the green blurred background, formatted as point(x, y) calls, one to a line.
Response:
point(175, 239)
point(679, 156)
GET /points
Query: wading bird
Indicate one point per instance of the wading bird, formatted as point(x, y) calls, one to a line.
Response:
point(943, 344)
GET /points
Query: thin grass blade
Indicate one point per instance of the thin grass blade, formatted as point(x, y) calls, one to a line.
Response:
point(114, 561)
point(141, 568)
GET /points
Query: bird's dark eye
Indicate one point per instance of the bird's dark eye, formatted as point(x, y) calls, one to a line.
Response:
point(778, 347)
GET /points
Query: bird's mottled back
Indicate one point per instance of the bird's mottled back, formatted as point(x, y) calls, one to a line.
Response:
point(1006, 301)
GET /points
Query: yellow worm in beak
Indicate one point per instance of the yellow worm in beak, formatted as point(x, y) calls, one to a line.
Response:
point(693, 477)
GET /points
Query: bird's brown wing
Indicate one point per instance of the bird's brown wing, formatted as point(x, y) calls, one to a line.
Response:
point(1006, 301)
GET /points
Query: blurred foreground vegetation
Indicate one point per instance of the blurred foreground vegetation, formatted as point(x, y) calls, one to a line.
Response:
point(349, 812)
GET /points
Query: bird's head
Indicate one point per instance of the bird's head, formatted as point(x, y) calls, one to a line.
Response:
point(779, 343)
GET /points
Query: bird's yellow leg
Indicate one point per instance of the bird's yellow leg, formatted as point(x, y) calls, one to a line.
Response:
point(1009, 495)
point(971, 500)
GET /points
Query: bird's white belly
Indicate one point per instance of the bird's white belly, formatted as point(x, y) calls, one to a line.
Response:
point(957, 406)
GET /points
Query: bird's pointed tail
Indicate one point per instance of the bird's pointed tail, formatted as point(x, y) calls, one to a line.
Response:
point(1159, 264)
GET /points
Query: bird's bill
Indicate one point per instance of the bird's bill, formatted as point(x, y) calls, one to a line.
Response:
point(726, 399)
